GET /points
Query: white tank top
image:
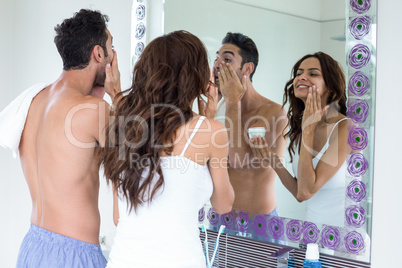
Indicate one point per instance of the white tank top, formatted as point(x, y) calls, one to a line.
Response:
point(165, 232)
point(327, 206)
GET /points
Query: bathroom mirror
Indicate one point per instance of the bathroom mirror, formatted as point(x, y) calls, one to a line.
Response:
point(284, 31)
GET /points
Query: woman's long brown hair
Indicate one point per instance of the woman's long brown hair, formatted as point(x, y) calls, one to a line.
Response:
point(171, 72)
point(334, 79)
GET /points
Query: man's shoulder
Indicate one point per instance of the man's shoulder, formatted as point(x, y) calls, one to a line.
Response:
point(269, 108)
point(86, 116)
point(90, 102)
point(88, 109)
point(91, 99)
point(68, 95)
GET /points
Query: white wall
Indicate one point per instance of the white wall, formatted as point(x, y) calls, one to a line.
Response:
point(295, 7)
point(279, 42)
point(6, 181)
point(318, 10)
point(330, 9)
point(30, 56)
point(387, 216)
point(335, 48)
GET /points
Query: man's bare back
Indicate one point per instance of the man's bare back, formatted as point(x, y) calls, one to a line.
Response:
point(63, 177)
point(63, 131)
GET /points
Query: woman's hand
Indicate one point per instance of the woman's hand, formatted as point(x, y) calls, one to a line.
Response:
point(209, 108)
point(313, 112)
point(230, 86)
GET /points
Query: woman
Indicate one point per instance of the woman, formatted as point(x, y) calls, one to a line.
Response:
point(318, 138)
point(162, 167)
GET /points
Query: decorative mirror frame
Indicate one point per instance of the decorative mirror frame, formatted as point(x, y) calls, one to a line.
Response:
point(353, 239)
point(138, 26)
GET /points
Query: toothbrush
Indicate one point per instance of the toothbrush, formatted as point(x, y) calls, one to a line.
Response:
point(221, 230)
point(206, 245)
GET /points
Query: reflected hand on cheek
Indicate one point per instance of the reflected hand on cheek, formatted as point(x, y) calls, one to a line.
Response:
point(231, 87)
point(313, 113)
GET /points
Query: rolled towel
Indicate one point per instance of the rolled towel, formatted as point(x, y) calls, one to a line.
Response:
point(13, 117)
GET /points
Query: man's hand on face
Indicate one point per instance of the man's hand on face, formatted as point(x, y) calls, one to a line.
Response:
point(112, 81)
point(230, 86)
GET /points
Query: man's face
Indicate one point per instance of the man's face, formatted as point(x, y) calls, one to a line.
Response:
point(101, 74)
point(228, 53)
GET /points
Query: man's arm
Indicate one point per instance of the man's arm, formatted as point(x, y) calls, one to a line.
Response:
point(233, 91)
point(112, 88)
point(112, 81)
point(99, 118)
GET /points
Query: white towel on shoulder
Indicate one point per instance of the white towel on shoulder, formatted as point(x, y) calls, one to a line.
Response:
point(13, 117)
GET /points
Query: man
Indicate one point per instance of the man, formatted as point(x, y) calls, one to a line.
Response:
point(234, 67)
point(58, 148)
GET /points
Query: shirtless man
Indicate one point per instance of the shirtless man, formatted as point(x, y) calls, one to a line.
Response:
point(234, 67)
point(58, 148)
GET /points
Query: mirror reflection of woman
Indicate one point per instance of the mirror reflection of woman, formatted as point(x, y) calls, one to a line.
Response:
point(167, 161)
point(318, 133)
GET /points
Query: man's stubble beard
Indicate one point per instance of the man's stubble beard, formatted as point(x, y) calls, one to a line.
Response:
point(100, 77)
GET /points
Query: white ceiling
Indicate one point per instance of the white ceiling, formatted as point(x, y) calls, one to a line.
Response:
point(319, 10)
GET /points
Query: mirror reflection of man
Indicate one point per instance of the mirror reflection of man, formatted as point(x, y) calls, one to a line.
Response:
point(242, 107)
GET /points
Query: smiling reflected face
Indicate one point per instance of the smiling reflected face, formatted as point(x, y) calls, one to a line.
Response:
point(309, 74)
point(228, 53)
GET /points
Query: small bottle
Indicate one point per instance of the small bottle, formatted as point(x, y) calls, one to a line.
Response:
point(312, 257)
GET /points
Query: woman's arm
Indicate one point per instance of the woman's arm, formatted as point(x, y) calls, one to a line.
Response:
point(310, 180)
point(223, 194)
point(326, 168)
point(116, 214)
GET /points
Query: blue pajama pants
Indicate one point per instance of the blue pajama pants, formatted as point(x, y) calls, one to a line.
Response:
point(42, 248)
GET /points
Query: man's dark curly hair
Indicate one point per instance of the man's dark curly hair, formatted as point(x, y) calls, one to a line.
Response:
point(76, 37)
point(248, 50)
